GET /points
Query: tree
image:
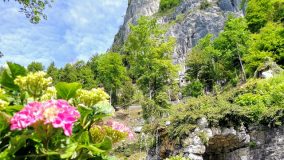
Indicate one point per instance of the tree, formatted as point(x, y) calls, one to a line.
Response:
point(269, 42)
point(53, 72)
point(219, 61)
point(68, 73)
point(259, 12)
point(149, 54)
point(233, 44)
point(35, 67)
point(204, 64)
point(33, 9)
point(85, 75)
point(149, 57)
point(111, 73)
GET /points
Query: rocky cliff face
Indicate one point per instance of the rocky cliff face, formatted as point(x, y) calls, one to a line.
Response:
point(190, 21)
point(225, 143)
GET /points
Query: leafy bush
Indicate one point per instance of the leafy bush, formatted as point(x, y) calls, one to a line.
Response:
point(168, 4)
point(51, 128)
point(125, 95)
point(204, 4)
point(204, 137)
point(177, 158)
point(258, 101)
point(193, 89)
point(259, 12)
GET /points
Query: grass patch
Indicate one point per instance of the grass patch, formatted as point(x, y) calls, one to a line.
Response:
point(166, 5)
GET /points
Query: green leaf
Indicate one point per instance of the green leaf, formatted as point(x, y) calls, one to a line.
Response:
point(84, 138)
point(4, 121)
point(12, 109)
point(69, 151)
point(10, 74)
point(95, 150)
point(67, 90)
point(106, 144)
point(102, 109)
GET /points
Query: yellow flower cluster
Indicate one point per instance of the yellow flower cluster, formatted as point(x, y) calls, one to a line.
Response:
point(3, 104)
point(91, 97)
point(49, 94)
point(2, 91)
point(98, 133)
point(34, 83)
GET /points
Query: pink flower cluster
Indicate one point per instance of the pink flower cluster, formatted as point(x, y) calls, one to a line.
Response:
point(56, 112)
point(120, 127)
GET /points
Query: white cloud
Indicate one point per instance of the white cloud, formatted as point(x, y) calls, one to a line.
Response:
point(74, 30)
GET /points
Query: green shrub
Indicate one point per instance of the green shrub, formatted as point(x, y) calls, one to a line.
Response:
point(168, 4)
point(259, 101)
point(193, 89)
point(204, 4)
point(204, 137)
point(252, 144)
point(177, 158)
point(125, 95)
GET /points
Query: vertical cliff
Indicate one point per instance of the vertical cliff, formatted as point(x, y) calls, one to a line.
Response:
point(190, 20)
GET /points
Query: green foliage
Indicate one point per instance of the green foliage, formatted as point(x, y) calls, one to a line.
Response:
point(53, 72)
point(168, 4)
point(193, 89)
point(150, 63)
point(259, 12)
point(67, 90)
point(252, 144)
point(204, 4)
point(10, 74)
point(126, 94)
point(103, 109)
point(35, 67)
point(41, 141)
point(80, 72)
point(204, 137)
point(259, 101)
point(33, 9)
point(219, 61)
point(269, 42)
point(150, 56)
point(111, 73)
point(177, 158)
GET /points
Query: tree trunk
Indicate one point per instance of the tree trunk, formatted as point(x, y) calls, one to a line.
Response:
point(150, 91)
point(243, 69)
point(110, 96)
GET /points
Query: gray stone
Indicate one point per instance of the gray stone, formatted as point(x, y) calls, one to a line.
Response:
point(216, 131)
point(196, 141)
point(202, 123)
point(194, 157)
point(195, 149)
point(186, 142)
point(168, 123)
point(229, 5)
point(208, 132)
point(229, 131)
point(137, 129)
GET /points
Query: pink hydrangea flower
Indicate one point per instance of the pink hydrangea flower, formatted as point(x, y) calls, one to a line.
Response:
point(120, 127)
point(27, 116)
point(56, 112)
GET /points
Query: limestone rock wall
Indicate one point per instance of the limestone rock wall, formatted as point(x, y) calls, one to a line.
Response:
point(228, 143)
point(189, 22)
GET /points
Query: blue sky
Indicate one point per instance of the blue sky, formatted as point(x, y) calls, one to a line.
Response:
point(75, 30)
